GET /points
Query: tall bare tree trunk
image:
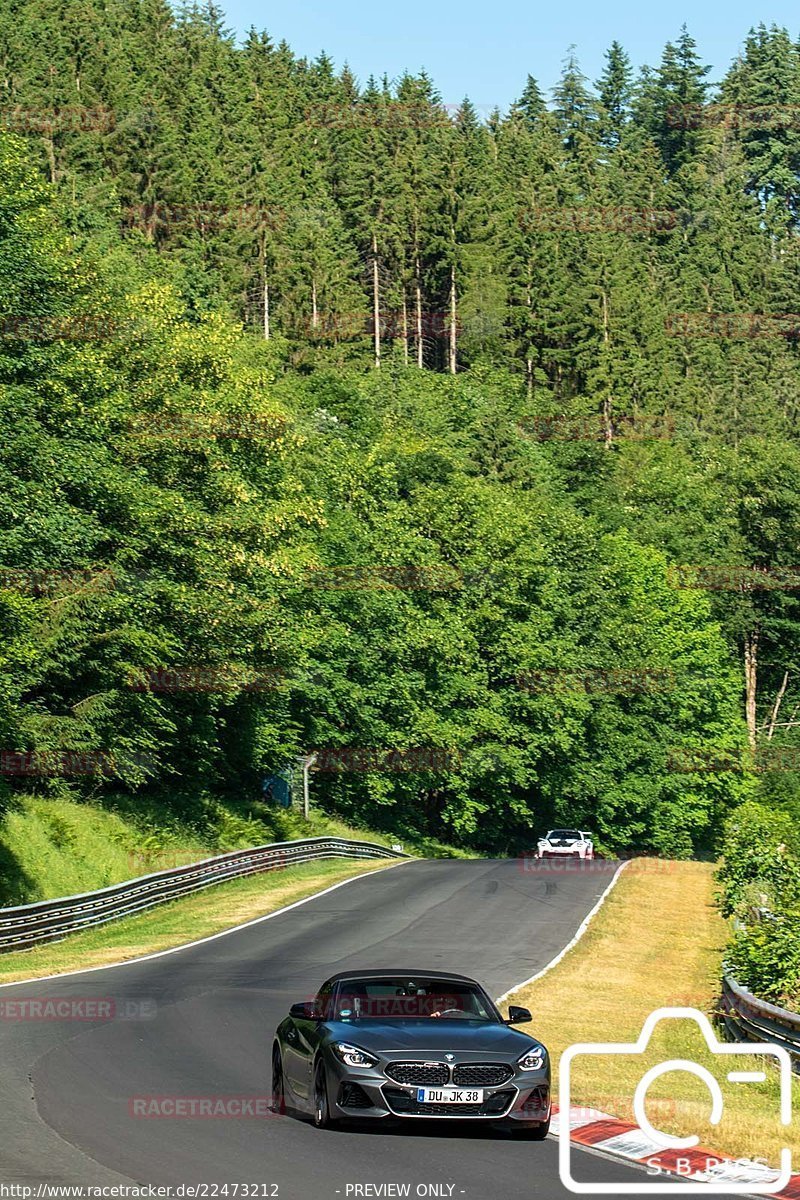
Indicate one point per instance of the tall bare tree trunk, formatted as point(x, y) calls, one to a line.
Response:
point(453, 317)
point(51, 156)
point(750, 682)
point(608, 426)
point(418, 318)
point(777, 706)
point(405, 328)
point(376, 302)
point(529, 360)
point(266, 308)
point(314, 313)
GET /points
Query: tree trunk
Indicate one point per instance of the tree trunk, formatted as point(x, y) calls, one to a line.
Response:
point(376, 303)
point(750, 682)
point(405, 328)
point(266, 308)
point(51, 157)
point(529, 306)
point(314, 313)
point(453, 317)
point(777, 706)
point(608, 427)
point(418, 315)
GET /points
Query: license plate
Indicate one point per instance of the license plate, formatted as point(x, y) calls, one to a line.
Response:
point(449, 1095)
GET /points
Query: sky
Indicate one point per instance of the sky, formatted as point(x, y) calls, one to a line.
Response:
point(486, 50)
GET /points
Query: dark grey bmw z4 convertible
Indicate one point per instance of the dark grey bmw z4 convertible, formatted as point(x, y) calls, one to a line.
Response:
point(410, 1044)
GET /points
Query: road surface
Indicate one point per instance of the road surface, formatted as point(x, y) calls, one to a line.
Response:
point(199, 1023)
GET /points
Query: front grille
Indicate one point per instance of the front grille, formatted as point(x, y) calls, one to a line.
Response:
point(353, 1095)
point(481, 1074)
point(406, 1104)
point(424, 1074)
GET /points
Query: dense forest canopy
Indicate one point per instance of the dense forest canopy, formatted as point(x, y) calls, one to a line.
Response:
point(373, 427)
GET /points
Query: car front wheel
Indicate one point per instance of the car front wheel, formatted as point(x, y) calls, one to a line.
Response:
point(278, 1089)
point(322, 1112)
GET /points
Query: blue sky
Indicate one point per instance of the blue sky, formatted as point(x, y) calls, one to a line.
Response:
point(486, 49)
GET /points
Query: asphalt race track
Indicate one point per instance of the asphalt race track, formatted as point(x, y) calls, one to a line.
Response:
point(199, 1023)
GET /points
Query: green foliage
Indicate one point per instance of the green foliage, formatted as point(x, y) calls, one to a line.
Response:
point(760, 878)
point(760, 865)
point(217, 446)
point(765, 959)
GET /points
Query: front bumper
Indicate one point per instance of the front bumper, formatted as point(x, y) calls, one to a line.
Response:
point(562, 852)
point(369, 1094)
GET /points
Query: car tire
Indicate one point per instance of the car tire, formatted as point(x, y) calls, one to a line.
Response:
point(278, 1086)
point(322, 1111)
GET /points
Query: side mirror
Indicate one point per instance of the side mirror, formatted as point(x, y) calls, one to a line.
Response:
point(517, 1015)
point(303, 1011)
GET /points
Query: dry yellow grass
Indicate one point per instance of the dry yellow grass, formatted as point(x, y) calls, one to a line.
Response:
point(211, 911)
point(658, 941)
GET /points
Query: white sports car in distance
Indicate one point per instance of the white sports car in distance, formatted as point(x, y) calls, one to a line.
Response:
point(570, 843)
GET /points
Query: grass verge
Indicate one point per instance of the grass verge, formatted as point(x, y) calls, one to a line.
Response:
point(54, 846)
point(657, 941)
point(219, 907)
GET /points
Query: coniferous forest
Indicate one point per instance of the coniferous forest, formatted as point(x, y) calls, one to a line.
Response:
point(460, 448)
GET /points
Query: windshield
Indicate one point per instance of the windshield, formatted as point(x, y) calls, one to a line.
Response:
point(570, 835)
point(396, 998)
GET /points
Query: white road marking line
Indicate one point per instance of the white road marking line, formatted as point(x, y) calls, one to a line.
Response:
point(581, 931)
point(212, 937)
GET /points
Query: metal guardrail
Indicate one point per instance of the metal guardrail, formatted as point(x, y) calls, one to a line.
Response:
point(748, 1019)
point(51, 920)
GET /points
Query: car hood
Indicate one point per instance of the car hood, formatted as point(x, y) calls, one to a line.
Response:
point(431, 1034)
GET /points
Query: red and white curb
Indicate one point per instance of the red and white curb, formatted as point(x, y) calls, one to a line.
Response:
point(610, 1135)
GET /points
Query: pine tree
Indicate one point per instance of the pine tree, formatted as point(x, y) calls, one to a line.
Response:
point(759, 102)
point(531, 103)
point(677, 103)
point(574, 107)
point(614, 91)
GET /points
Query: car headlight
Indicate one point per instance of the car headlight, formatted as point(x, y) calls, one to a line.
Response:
point(352, 1056)
point(533, 1060)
